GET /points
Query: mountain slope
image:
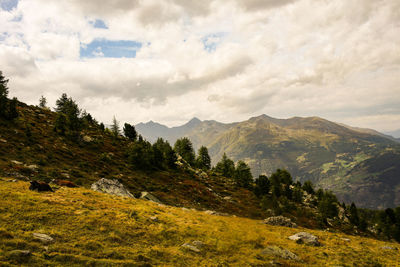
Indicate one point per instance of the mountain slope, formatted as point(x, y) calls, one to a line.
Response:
point(343, 159)
point(30, 149)
point(95, 229)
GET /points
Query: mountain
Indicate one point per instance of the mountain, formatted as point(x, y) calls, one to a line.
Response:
point(94, 229)
point(31, 149)
point(357, 164)
point(395, 134)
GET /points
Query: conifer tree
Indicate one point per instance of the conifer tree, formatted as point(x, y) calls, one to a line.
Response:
point(203, 160)
point(130, 132)
point(42, 102)
point(184, 147)
point(243, 175)
point(115, 127)
point(226, 167)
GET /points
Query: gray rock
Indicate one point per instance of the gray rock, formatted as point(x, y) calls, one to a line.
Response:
point(150, 197)
point(190, 247)
point(305, 238)
point(154, 219)
point(3, 140)
point(33, 167)
point(111, 187)
point(280, 221)
point(16, 162)
point(43, 238)
point(389, 248)
point(280, 252)
point(194, 246)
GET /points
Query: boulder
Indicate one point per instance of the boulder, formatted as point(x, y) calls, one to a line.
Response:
point(279, 252)
point(111, 187)
point(16, 162)
point(3, 140)
point(305, 238)
point(150, 197)
point(43, 238)
point(280, 221)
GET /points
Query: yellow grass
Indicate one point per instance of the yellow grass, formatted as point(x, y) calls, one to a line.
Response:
point(96, 229)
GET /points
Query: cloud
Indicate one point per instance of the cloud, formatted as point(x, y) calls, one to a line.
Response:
point(170, 60)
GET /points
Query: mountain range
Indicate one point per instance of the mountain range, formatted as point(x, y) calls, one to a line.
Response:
point(360, 165)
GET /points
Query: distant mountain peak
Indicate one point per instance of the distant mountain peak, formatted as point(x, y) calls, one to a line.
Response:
point(193, 122)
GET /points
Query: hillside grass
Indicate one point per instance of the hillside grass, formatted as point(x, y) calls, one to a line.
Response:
point(96, 229)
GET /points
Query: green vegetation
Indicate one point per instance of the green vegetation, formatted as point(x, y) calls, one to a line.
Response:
point(203, 160)
point(184, 148)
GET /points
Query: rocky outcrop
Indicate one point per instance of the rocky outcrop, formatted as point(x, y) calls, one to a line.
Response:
point(280, 221)
point(305, 238)
point(111, 187)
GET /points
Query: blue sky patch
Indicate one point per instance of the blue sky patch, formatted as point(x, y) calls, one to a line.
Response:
point(212, 41)
point(8, 4)
point(111, 49)
point(99, 24)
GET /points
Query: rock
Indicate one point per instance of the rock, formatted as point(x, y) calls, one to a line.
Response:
point(210, 212)
point(87, 139)
point(198, 244)
point(33, 167)
point(280, 221)
point(305, 238)
point(16, 162)
point(345, 239)
point(280, 252)
point(112, 187)
point(389, 248)
point(213, 212)
point(194, 246)
point(154, 219)
point(150, 197)
point(3, 140)
point(228, 198)
point(43, 238)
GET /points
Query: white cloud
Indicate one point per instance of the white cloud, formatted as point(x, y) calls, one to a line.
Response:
point(338, 59)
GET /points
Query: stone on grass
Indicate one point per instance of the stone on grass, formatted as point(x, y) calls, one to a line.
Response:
point(194, 246)
point(111, 187)
point(150, 197)
point(43, 238)
point(305, 238)
point(280, 252)
point(280, 221)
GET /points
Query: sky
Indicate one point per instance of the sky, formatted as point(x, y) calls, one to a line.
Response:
point(171, 60)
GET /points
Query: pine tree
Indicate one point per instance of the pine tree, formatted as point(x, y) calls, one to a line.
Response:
point(243, 175)
point(203, 160)
point(12, 109)
point(262, 186)
point(226, 167)
point(115, 127)
point(184, 148)
point(42, 102)
point(130, 132)
point(354, 219)
point(3, 95)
